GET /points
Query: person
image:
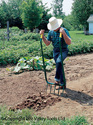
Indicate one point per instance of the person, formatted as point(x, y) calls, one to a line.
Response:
point(55, 29)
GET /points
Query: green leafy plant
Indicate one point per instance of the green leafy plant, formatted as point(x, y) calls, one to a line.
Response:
point(21, 45)
point(33, 63)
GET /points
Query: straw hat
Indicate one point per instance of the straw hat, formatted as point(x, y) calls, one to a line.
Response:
point(54, 23)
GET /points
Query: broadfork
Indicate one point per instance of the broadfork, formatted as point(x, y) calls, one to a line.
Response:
point(44, 67)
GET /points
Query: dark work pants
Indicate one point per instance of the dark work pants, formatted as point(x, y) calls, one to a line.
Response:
point(57, 58)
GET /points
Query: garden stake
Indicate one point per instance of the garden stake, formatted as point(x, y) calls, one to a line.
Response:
point(49, 83)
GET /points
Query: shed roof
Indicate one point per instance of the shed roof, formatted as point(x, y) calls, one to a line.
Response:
point(90, 19)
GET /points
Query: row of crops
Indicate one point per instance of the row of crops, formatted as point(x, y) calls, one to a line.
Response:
point(28, 45)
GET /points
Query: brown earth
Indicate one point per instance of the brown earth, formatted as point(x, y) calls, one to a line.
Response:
point(28, 89)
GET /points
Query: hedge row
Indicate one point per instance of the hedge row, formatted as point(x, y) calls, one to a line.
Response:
point(21, 45)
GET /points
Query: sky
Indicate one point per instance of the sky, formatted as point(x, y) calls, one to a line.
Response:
point(67, 4)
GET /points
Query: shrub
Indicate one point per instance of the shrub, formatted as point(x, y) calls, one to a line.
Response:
point(21, 45)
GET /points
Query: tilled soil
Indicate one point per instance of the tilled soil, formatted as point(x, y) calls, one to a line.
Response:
point(37, 102)
point(28, 90)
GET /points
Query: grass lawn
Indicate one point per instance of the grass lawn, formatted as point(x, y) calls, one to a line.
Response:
point(26, 117)
point(78, 36)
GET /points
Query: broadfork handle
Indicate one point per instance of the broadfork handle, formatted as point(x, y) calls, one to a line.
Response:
point(60, 35)
point(41, 36)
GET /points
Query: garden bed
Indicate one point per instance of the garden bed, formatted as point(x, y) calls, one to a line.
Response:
point(77, 99)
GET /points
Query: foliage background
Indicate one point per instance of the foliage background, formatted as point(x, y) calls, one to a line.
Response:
point(28, 44)
point(18, 13)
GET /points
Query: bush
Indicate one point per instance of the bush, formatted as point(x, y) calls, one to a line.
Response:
point(2, 35)
point(15, 29)
point(21, 45)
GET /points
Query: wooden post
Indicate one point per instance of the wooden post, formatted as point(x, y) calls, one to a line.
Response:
point(8, 30)
point(0, 25)
point(25, 30)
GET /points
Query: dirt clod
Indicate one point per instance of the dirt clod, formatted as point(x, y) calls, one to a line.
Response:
point(37, 103)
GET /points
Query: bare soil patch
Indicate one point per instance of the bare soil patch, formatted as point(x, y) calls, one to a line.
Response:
point(28, 89)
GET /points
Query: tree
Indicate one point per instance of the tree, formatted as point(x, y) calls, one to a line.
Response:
point(67, 22)
point(70, 23)
point(2, 16)
point(57, 8)
point(81, 11)
point(45, 17)
point(15, 17)
point(9, 11)
point(31, 13)
point(4, 13)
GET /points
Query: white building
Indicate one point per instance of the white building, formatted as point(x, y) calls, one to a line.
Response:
point(90, 21)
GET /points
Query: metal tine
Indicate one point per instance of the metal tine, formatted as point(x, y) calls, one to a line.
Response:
point(46, 88)
point(54, 88)
point(58, 90)
point(50, 88)
point(62, 92)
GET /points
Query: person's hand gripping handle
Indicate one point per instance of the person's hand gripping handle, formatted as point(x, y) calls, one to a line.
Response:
point(61, 32)
point(42, 33)
point(41, 36)
point(60, 35)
